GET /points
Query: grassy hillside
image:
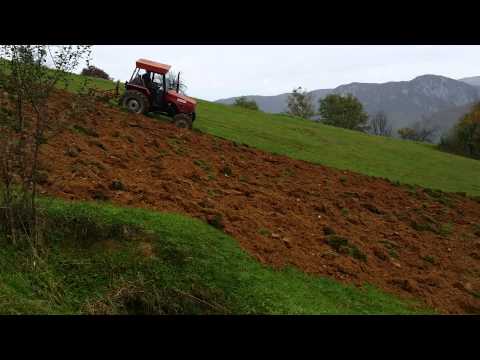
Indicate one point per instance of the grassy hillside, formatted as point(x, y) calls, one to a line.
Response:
point(405, 161)
point(105, 259)
point(75, 82)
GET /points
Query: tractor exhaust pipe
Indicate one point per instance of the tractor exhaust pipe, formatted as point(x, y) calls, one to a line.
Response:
point(178, 82)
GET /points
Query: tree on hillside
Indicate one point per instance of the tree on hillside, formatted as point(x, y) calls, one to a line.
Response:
point(172, 80)
point(379, 125)
point(244, 102)
point(93, 71)
point(300, 103)
point(407, 133)
point(464, 138)
point(25, 127)
point(343, 111)
point(420, 131)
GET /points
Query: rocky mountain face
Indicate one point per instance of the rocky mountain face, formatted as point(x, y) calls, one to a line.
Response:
point(404, 102)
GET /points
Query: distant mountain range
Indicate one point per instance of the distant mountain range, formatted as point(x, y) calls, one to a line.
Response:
point(474, 81)
point(438, 98)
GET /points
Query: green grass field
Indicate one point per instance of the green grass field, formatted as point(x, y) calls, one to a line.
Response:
point(195, 269)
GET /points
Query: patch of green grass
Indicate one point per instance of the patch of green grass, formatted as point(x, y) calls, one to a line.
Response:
point(445, 229)
point(430, 259)
point(337, 242)
point(214, 192)
point(393, 253)
point(342, 245)
point(439, 196)
point(357, 254)
point(192, 268)
point(424, 226)
point(177, 146)
point(202, 165)
point(264, 232)
point(89, 132)
point(391, 248)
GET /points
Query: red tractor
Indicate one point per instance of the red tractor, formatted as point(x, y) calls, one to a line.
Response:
point(147, 91)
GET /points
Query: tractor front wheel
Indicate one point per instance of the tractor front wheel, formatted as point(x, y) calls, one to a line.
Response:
point(135, 102)
point(182, 121)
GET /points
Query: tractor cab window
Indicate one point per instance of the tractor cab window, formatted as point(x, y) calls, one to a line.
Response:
point(148, 79)
point(137, 78)
point(142, 78)
point(158, 81)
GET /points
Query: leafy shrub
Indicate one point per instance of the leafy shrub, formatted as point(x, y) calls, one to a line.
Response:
point(464, 137)
point(300, 103)
point(245, 103)
point(95, 72)
point(343, 111)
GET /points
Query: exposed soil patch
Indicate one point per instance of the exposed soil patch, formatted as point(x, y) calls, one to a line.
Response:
point(414, 243)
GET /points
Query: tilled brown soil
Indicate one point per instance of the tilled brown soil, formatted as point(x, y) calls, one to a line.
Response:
point(413, 243)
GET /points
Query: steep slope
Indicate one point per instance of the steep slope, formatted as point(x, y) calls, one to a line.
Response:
point(405, 161)
point(404, 102)
point(414, 243)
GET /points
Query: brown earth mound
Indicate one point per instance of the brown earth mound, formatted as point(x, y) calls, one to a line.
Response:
point(415, 243)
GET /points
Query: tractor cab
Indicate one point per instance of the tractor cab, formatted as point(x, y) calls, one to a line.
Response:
point(147, 91)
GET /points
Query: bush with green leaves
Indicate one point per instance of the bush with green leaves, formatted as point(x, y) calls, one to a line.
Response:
point(30, 73)
point(423, 131)
point(244, 102)
point(94, 71)
point(300, 103)
point(464, 138)
point(343, 111)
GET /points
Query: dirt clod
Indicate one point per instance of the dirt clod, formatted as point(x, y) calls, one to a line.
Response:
point(380, 253)
point(117, 185)
point(72, 151)
point(327, 230)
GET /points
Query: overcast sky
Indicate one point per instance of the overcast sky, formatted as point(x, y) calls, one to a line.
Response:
point(221, 71)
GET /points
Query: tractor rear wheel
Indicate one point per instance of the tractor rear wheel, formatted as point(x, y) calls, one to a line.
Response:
point(135, 102)
point(182, 121)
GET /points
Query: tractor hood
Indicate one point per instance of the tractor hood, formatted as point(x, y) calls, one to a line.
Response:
point(187, 99)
